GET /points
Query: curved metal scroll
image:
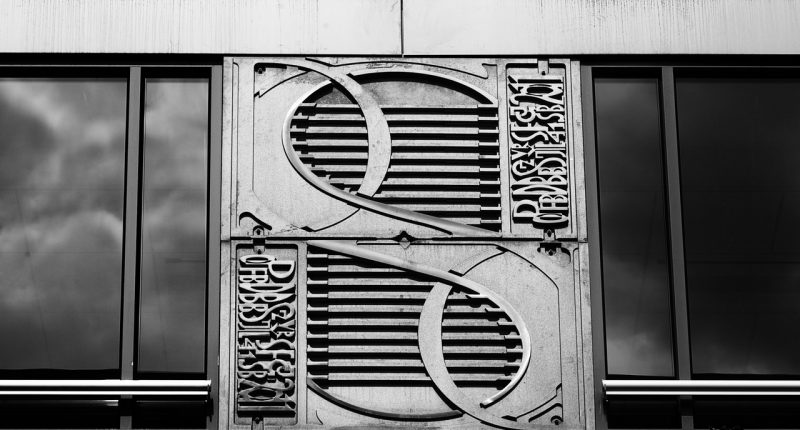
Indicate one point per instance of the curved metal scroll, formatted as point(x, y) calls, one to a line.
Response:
point(430, 321)
point(378, 157)
point(347, 404)
point(431, 316)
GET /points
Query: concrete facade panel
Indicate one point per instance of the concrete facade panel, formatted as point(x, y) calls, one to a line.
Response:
point(569, 27)
point(369, 27)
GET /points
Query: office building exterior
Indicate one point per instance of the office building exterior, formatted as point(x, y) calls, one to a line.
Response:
point(398, 213)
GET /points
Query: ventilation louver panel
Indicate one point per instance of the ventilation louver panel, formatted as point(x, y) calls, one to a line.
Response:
point(363, 319)
point(445, 160)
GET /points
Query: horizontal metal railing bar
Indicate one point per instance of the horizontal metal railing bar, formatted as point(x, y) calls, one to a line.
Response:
point(102, 393)
point(104, 387)
point(643, 387)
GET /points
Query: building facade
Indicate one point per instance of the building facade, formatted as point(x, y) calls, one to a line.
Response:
point(399, 213)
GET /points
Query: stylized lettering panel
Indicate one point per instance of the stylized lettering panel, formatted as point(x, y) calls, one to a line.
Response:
point(539, 159)
point(266, 335)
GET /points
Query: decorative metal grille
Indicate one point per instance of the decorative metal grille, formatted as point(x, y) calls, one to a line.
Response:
point(431, 209)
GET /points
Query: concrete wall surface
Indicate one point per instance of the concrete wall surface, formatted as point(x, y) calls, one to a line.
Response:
point(569, 27)
point(367, 27)
point(411, 27)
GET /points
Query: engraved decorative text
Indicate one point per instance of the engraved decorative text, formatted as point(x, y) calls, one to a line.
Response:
point(266, 337)
point(538, 146)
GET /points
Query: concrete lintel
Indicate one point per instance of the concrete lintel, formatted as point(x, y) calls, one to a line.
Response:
point(574, 27)
point(303, 27)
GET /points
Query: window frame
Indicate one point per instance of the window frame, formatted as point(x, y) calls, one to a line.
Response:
point(665, 73)
point(136, 74)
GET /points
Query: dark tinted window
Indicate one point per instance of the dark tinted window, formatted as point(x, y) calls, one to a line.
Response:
point(62, 165)
point(733, 412)
point(636, 281)
point(739, 158)
point(58, 414)
point(173, 235)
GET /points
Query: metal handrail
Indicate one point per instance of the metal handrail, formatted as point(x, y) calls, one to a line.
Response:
point(660, 387)
point(104, 387)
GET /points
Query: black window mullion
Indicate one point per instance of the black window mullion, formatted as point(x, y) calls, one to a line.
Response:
point(214, 231)
point(593, 226)
point(131, 241)
point(678, 266)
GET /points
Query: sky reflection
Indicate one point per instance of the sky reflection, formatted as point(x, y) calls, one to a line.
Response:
point(636, 284)
point(62, 155)
point(741, 202)
point(173, 240)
